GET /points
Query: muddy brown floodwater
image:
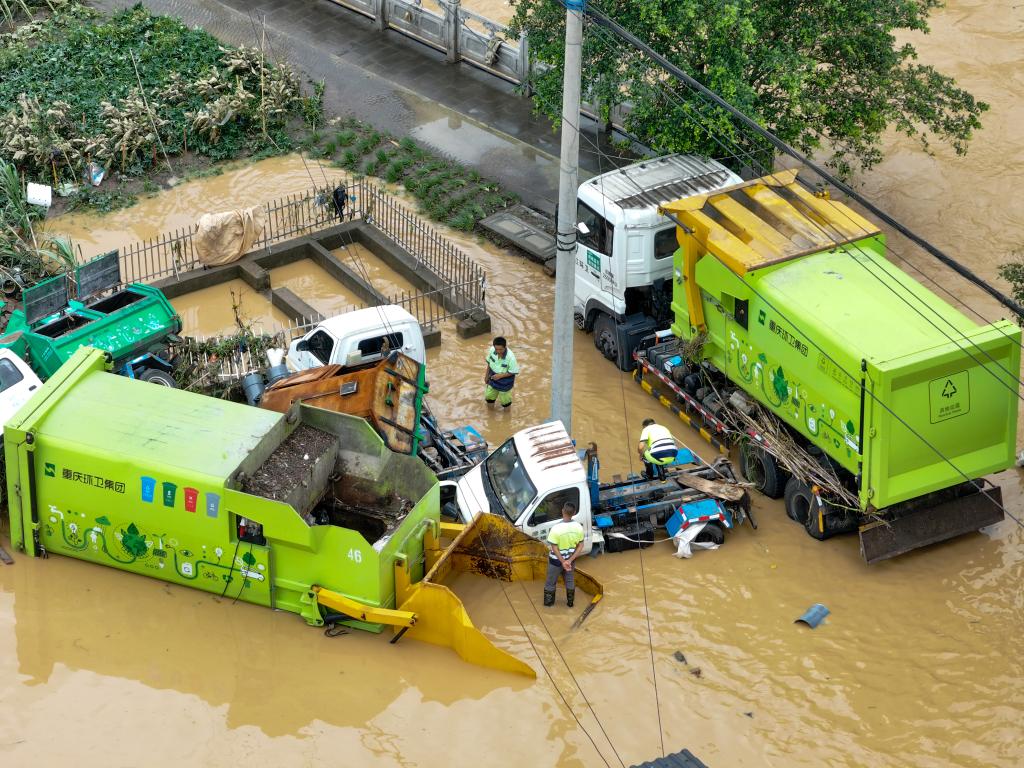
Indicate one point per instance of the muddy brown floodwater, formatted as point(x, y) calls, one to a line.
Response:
point(919, 663)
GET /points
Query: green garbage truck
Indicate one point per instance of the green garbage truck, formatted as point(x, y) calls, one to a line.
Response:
point(784, 301)
point(135, 323)
point(305, 511)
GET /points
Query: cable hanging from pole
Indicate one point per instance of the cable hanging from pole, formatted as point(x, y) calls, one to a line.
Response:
point(621, 32)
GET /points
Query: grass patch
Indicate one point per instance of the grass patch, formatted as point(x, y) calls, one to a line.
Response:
point(70, 95)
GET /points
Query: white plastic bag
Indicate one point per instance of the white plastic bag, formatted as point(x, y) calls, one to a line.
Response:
point(685, 544)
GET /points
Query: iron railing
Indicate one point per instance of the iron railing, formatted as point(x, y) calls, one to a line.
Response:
point(462, 281)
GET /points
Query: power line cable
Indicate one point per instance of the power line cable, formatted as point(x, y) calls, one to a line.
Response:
point(621, 32)
point(636, 518)
point(486, 506)
point(981, 489)
point(767, 172)
point(753, 158)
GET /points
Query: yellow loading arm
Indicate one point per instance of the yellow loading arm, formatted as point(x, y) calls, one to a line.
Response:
point(757, 224)
point(361, 611)
point(489, 546)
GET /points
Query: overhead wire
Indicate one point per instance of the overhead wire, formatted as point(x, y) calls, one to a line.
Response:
point(748, 155)
point(636, 516)
point(486, 506)
point(621, 32)
point(356, 258)
point(755, 161)
point(874, 398)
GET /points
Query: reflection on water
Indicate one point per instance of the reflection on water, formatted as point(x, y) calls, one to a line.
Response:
point(212, 311)
point(919, 663)
point(311, 283)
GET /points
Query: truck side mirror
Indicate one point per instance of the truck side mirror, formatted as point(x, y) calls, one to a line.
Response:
point(302, 346)
point(582, 228)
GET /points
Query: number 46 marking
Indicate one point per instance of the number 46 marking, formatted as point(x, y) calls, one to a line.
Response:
point(355, 555)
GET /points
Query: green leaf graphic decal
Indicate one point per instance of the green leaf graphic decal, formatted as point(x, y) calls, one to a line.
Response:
point(134, 543)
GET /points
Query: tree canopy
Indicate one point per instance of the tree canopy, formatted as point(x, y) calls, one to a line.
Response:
point(823, 75)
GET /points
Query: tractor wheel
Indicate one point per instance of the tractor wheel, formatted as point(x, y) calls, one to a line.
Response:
point(156, 376)
point(607, 341)
point(761, 469)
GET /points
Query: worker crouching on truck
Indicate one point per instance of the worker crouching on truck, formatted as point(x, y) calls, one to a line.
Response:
point(657, 448)
point(565, 540)
point(501, 372)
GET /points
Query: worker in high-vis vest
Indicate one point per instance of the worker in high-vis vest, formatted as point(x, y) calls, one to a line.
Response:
point(565, 540)
point(657, 448)
point(501, 372)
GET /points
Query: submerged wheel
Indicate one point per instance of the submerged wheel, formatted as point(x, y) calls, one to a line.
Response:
point(156, 376)
point(800, 502)
point(713, 532)
point(761, 469)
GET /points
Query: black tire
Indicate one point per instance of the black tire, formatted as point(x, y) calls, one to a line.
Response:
point(156, 376)
point(761, 469)
point(713, 533)
point(800, 502)
point(606, 339)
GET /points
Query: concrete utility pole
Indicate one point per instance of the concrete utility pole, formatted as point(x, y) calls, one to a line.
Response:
point(563, 326)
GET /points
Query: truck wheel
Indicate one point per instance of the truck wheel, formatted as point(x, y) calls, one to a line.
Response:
point(800, 502)
point(156, 376)
point(605, 338)
point(712, 533)
point(761, 469)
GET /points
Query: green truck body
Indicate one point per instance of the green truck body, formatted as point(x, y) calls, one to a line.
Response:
point(789, 296)
point(149, 480)
point(928, 399)
point(133, 324)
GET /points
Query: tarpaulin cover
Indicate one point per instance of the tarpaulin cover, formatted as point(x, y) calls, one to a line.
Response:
point(225, 237)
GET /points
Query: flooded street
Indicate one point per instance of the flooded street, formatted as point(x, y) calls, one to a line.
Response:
point(920, 664)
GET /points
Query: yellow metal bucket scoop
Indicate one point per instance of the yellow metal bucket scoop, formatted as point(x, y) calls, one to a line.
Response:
point(490, 546)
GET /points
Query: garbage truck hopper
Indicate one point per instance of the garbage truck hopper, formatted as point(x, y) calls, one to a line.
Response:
point(306, 511)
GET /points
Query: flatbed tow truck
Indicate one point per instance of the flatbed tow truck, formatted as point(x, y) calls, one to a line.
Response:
point(530, 476)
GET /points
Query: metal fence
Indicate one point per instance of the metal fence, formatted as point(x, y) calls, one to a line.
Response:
point(463, 281)
point(426, 307)
point(463, 35)
point(447, 27)
point(431, 249)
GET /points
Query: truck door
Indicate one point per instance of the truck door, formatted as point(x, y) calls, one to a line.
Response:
point(315, 349)
point(547, 511)
point(595, 273)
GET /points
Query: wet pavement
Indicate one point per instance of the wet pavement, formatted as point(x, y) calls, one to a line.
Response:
point(396, 85)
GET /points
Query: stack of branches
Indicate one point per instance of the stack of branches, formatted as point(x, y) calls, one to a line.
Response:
point(777, 441)
point(217, 365)
point(10, 10)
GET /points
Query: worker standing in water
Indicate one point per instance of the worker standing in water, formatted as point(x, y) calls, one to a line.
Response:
point(500, 376)
point(657, 448)
point(565, 539)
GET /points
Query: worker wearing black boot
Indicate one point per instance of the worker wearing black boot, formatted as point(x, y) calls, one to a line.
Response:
point(565, 540)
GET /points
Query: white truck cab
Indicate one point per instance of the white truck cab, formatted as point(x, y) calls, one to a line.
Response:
point(527, 480)
point(17, 384)
point(624, 265)
point(361, 336)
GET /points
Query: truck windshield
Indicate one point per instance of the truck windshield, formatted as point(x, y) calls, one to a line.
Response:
point(507, 477)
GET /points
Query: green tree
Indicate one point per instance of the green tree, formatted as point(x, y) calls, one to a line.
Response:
point(821, 74)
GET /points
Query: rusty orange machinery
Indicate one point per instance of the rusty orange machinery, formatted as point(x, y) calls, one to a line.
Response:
point(388, 394)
